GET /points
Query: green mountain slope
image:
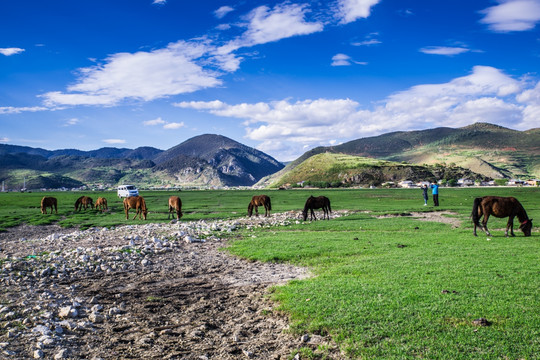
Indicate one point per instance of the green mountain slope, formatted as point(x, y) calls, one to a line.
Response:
point(490, 150)
point(330, 169)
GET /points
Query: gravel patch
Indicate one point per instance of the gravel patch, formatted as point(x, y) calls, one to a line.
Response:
point(143, 291)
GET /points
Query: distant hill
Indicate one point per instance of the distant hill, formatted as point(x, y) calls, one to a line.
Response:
point(208, 156)
point(141, 153)
point(335, 170)
point(491, 150)
point(206, 160)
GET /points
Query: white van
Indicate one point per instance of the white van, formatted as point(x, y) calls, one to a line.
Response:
point(127, 190)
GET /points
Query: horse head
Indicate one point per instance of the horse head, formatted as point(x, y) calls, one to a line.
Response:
point(526, 227)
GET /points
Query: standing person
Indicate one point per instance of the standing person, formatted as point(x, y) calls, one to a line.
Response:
point(435, 193)
point(424, 194)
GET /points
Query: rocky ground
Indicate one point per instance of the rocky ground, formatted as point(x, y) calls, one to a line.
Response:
point(151, 291)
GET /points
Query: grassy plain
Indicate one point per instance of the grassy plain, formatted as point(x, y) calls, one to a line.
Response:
point(384, 288)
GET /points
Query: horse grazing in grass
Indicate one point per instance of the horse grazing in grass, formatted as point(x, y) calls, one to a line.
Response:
point(137, 203)
point(101, 203)
point(260, 200)
point(500, 207)
point(317, 203)
point(175, 204)
point(84, 202)
point(47, 202)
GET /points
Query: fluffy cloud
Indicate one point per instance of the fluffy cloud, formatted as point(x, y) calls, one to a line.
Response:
point(344, 60)
point(512, 15)
point(166, 125)
point(182, 67)
point(143, 76)
point(4, 139)
point(485, 95)
point(352, 10)
point(266, 25)
point(444, 50)
point(222, 11)
point(10, 51)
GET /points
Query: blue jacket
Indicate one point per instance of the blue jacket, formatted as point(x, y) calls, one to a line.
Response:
point(434, 189)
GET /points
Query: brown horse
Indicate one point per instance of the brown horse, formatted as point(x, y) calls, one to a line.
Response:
point(500, 207)
point(317, 203)
point(49, 201)
point(260, 200)
point(175, 204)
point(137, 203)
point(101, 203)
point(84, 202)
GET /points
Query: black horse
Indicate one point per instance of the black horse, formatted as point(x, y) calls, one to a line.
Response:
point(317, 203)
point(500, 207)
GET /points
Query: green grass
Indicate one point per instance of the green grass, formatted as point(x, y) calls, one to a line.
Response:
point(418, 299)
point(389, 288)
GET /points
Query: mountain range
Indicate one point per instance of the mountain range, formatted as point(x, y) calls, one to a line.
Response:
point(483, 150)
point(205, 160)
point(489, 150)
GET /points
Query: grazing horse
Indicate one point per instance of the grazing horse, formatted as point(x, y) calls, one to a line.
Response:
point(137, 203)
point(500, 207)
point(84, 202)
point(101, 203)
point(175, 204)
point(49, 201)
point(317, 203)
point(260, 200)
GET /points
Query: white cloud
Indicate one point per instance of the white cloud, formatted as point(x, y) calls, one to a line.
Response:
point(341, 60)
point(72, 121)
point(222, 11)
point(17, 110)
point(158, 121)
point(4, 140)
point(159, 2)
point(266, 25)
point(352, 10)
point(512, 15)
point(444, 50)
point(485, 95)
point(166, 125)
point(145, 76)
point(10, 51)
point(344, 60)
point(173, 126)
point(114, 141)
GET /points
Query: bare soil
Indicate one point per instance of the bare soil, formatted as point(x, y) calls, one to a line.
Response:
point(193, 302)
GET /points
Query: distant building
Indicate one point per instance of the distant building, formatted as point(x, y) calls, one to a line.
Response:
point(465, 182)
point(406, 184)
point(533, 182)
point(516, 182)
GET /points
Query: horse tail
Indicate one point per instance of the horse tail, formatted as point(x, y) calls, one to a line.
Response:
point(329, 207)
point(474, 214)
point(269, 203)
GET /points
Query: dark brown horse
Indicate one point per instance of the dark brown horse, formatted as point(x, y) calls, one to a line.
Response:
point(175, 204)
point(84, 202)
point(320, 202)
point(260, 200)
point(137, 203)
point(500, 207)
point(101, 203)
point(47, 202)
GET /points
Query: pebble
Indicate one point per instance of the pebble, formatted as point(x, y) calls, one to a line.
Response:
point(52, 314)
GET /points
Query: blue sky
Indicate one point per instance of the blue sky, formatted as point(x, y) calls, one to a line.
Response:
point(281, 76)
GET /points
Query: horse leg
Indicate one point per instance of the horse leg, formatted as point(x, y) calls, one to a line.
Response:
point(510, 225)
point(313, 216)
point(484, 224)
point(256, 210)
point(170, 209)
